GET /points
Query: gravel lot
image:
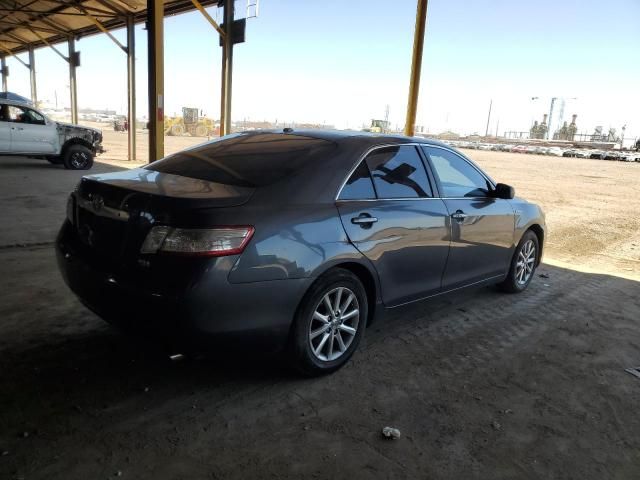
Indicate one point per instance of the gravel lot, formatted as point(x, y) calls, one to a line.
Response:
point(481, 384)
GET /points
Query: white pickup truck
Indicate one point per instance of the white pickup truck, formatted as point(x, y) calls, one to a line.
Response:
point(26, 131)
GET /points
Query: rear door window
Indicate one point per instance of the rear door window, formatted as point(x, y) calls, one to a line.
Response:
point(359, 186)
point(398, 172)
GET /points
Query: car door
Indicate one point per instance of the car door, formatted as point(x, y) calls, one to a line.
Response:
point(30, 132)
point(5, 131)
point(482, 227)
point(390, 214)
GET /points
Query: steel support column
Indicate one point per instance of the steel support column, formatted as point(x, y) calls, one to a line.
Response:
point(32, 75)
point(416, 65)
point(131, 86)
point(227, 69)
point(155, 45)
point(72, 80)
point(3, 61)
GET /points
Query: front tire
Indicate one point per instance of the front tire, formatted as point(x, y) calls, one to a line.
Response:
point(78, 157)
point(523, 264)
point(329, 323)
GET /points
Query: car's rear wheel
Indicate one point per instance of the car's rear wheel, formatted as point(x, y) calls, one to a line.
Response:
point(523, 264)
point(329, 323)
point(78, 157)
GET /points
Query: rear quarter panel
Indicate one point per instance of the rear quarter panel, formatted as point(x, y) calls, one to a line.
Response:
point(296, 242)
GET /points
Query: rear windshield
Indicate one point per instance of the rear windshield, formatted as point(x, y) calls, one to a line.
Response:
point(246, 160)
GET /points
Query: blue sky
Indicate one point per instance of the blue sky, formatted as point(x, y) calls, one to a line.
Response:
point(341, 62)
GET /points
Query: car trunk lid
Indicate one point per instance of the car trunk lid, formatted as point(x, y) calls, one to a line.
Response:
point(115, 211)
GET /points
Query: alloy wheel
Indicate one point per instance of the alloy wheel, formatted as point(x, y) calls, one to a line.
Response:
point(79, 160)
point(334, 324)
point(526, 262)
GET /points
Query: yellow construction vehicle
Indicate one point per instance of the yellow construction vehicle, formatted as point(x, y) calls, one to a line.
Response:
point(190, 123)
point(378, 126)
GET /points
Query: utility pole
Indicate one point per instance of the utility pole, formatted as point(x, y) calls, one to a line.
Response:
point(131, 87)
point(73, 89)
point(227, 68)
point(155, 71)
point(553, 102)
point(486, 133)
point(5, 73)
point(416, 65)
point(32, 76)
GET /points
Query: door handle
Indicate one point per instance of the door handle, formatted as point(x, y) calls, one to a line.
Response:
point(17, 128)
point(459, 215)
point(364, 219)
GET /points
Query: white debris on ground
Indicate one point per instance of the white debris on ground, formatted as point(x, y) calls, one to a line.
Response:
point(390, 432)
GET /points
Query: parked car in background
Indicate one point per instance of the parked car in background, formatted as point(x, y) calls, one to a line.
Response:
point(296, 239)
point(24, 130)
point(555, 151)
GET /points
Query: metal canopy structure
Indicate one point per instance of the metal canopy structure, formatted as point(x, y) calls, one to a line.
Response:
point(29, 24)
point(39, 23)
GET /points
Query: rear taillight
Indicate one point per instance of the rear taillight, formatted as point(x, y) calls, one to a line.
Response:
point(216, 242)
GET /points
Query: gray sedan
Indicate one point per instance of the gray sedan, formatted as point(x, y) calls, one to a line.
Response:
point(296, 240)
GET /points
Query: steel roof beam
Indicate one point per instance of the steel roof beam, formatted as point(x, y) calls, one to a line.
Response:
point(101, 27)
point(29, 27)
point(94, 10)
point(209, 18)
point(65, 58)
point(10, 53)
point(114, 8)
point(40, 12)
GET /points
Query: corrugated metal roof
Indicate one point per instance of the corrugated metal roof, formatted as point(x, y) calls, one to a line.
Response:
point(25, 23)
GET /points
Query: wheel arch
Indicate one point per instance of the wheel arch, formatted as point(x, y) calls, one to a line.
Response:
point(539, 232)
point(369, 283)
point(366, 277)
point(76, 141)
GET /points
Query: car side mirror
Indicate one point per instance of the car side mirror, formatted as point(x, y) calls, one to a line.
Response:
point(504, 191)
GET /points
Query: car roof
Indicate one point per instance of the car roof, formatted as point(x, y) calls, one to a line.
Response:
point(350, 136)
point(17, 103)
point(321, 177)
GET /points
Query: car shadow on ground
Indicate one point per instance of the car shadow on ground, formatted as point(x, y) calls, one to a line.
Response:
point(549, 363)
point(80, 364)
point(101, 362)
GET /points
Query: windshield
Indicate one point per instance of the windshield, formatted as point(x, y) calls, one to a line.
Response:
point(246, 160)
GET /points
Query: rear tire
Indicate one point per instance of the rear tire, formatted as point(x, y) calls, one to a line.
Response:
point(324, 339)
point(201, 131)
point(177, 130)
point(523, 264)
point(78, 157)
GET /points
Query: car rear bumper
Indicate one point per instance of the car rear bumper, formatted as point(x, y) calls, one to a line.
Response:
point(208, 312)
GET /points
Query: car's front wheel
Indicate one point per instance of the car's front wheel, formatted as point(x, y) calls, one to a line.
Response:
point(329, 323)
point(523, 264)
point(78, 157)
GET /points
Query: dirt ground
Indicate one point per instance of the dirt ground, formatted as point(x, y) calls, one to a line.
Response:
point(481, 384)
